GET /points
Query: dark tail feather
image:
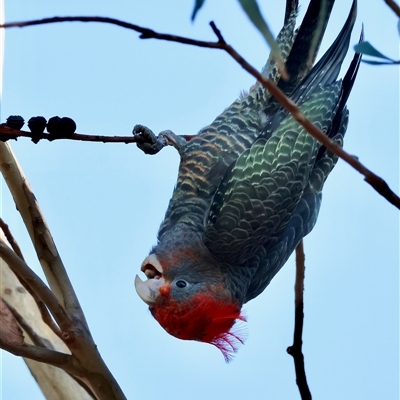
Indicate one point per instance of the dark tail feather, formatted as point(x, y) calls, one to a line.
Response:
point(350, 77)
point(347, 86)
point(309, 35)
point(328, 67)
point(324, 72)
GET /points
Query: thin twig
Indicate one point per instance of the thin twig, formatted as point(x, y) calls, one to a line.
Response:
point(36, 339)
point(394, 6)
point(300, 274)
point(374, 180)
point(64, 361)
point(296, 349)
point(10, 239)
point(7, 133)
point(146, 33)
point(218, 33)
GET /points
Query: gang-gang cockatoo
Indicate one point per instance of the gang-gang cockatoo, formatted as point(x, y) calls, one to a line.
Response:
point(249, 188)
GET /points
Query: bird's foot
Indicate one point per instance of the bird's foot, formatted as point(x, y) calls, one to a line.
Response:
point(149, 143)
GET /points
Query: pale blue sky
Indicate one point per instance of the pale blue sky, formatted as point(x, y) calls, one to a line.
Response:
point(104, 202)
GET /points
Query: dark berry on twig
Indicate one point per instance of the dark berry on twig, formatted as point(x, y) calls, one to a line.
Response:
point(15, 122)
point(68, 126)
point(53, 125)
point(37, 124)
point(61, 127)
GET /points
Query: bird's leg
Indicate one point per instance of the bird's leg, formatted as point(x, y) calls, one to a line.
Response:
point(149, 143)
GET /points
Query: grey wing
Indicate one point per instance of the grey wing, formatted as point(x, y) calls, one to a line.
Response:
point(269, 261)
point(258, 196)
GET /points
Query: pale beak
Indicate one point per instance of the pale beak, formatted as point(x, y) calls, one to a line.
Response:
point(148, 290)
point(151, 266)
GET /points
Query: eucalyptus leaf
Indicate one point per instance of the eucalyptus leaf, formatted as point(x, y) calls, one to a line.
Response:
point(252, 10)
point(369, 50)
point(371, 62)
point(197, 5)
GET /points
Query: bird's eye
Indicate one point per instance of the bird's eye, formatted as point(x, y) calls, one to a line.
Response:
point(181, 283)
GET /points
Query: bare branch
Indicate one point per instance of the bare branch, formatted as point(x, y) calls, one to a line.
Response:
point(296, 349)
point(41, 306)
point(16, 297)
point(374, 180)
point(394, 6)
point(93, 371)
point(218, 33)
point(40, 235)
point(145, 32)
point(20, 268)
point(10, 238)
point(10, 331)
point(7, 133)
point(40, 352)
point(300, 274)
point(36, 339)
point(41, 342)
point(64, 361)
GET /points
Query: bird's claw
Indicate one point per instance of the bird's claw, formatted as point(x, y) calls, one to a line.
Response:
point(147, 141)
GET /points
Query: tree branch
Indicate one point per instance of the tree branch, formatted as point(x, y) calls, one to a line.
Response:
point(39, 232)
point(42, 342)
point(10, 238)
point(64, 361)
point(146, 33)
point(37, 340)
point(296, 349)
point(20, 268)
point(394, 6)
point(44, 312)
point(7, 133)
point(75, 334)
point(374, 180)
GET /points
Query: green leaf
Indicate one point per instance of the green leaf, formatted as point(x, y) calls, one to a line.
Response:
point(371, 62)
point(252, 10)
point(197, 5)
point(369, 50)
